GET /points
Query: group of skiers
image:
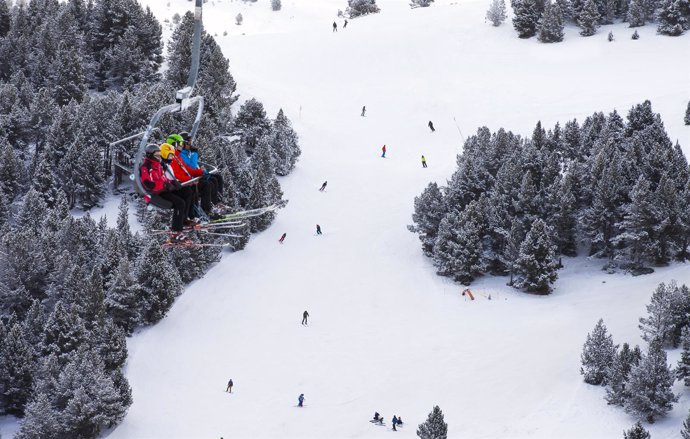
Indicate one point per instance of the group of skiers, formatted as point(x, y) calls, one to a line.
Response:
point(172, 171)
point(378, 419)
point(384, 149)
point(335, 25)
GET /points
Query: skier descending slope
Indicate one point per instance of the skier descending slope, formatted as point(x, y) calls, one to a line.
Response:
point(383, 152)
point(323, 186)
point(282, 238)
point(305, 316)
point(300, 400)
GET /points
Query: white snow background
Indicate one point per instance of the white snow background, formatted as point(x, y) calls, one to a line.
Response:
point(386, 333)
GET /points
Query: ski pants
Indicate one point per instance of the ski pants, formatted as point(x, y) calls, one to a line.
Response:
point(182, 202)
point(216, 182)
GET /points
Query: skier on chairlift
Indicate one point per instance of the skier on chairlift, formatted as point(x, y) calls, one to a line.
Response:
point(190, 155)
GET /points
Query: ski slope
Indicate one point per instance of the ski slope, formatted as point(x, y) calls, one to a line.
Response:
point(385, 333)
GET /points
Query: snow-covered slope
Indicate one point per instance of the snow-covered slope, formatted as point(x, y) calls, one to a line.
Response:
point(386, 334)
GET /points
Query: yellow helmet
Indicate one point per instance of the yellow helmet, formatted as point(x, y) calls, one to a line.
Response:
point(166, 150)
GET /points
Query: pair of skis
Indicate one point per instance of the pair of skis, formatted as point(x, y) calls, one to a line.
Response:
point(215, 227)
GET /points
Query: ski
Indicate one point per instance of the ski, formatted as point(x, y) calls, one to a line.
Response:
point(203, 227)
point(190, 244)
point(250, 213)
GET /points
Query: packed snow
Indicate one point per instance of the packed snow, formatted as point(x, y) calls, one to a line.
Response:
point(386, 333)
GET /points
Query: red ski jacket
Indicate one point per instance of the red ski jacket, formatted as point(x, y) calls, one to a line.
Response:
point(152, 176)
point(181, 170)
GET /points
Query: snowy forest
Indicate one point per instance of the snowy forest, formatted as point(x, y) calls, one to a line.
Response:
point(514, 206)
point(77, 76)
point(546, 19)
point(643, 383)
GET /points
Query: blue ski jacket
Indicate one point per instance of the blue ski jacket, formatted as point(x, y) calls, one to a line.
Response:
point(191, 158)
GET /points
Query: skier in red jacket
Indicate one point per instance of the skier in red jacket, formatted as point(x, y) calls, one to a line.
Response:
point(154, 180)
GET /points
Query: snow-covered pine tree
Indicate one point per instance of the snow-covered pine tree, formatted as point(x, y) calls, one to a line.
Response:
point(355, 8)
point(434, 427)
point(16, 371)
point(636, 14)
point(10, 171)
point(683, 368)
point(685, 433)
point(537, 266)
point(638, 229)
point(589, 18)
point(618, 373)
point(497, 12)
point(44, 181)
point(670, 17)
point(598, 353)
point(5, 19)
point(276, 5)
point(667, 314)
point(421, 3)
point(458, 248)
point(64, 332)
point(122, 298)
point(266, 189)
point(526, 18)
point(285, 146)
point(158, 284)
point(687, 115)
point(68, 77)
point(41, 420)
point(650, 386)
point(251, 124)
point(88, 399)
point(551, 24)
point(607, 10)
point(429, 210)
point(636, 432)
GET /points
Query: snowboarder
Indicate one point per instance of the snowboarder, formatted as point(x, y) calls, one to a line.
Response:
point(345, 24)
point(229, 389)
point(323, 186)
point(318, 229)
point(395, 421)
point(431, 126)
point(305, 316)
point(282, 238)
point(335, 27)
point(364, 110)
point(300, 400)
point(383, 155)
point(423, 162)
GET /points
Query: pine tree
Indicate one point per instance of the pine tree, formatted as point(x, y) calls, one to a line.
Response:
point(551, 25)
point(276, 5)
point(687, 115)
point(251, 124)
point(283, 140)
point(683, 368)
point(670, 18)
point(64, 332)
point(434, 427)
point(618, 373)
point(422, 3)
point(122, 299)
point(637, 230)
point(429, 210)
point(41, 421)
point(265, 188)
point(10, 171)
point(667, 314)
point(685, 433)
point(650, 386)
point(597, 355)
point(16, 371)
point(636, 14)
point(458, 248)
point(636, 432)
point(68, 77)
point(537, 264)
point(589, 18)
point(44, 180)
point(526, 18)
point(497, 12)
point(158, 284)
point(355, 8)
point(5, 19)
